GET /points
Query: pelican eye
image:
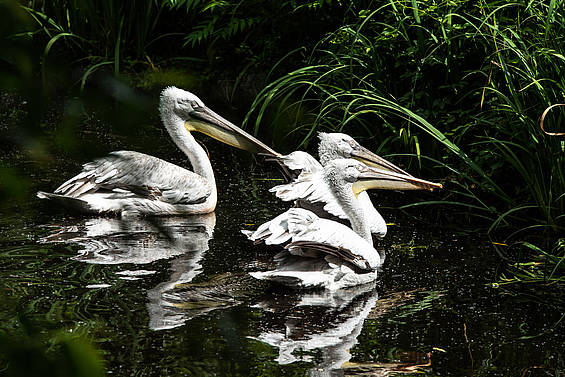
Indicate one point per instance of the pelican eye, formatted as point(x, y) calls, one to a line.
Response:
point(352, 170)
point(191, 104)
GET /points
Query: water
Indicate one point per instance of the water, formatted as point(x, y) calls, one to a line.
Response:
point(433, 311)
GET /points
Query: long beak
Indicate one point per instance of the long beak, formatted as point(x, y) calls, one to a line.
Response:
point(208, 122)
point(374, 178)
point(371, 159)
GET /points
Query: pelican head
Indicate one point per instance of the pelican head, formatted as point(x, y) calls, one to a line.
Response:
point(335, 145)
point(339, 145)
point(196, 116)
point(178, 101)
point(363, 177)
point(347, 170)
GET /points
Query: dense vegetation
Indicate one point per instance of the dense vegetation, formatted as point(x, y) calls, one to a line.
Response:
point(462, 84)
point(454, 88)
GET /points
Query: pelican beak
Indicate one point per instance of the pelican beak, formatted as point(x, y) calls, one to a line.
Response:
point(369, 158)
point(373, 178)
point(204, 120)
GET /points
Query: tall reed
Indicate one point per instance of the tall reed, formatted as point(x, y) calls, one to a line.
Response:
point(105, 24)
point(98, 33)
point(460, 85)
point(470, 79)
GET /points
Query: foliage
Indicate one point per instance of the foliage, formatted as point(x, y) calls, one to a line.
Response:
point(27, 351)
point(222, 20)
point(219, 20)
point(481, 73)
point(109, 33)
point(460, 84)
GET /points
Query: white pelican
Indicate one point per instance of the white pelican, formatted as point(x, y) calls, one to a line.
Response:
point(322, 252)
point(310, 189)
point(127, 181)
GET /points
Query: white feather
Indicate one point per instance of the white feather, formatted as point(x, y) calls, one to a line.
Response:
point(127, 181)
point(299, 267)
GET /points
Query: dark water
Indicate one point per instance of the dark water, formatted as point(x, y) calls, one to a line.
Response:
point(433, 311)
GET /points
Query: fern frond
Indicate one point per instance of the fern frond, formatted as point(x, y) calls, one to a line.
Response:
point(201, 32)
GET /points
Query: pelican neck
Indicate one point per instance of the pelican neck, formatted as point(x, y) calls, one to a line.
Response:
point(343, 192)
point(197, 156)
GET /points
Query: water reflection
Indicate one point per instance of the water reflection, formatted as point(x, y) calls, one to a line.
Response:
point(322, 326)
point(181, 301)
point(324, 321)
point(163, 314)
point(141, 241)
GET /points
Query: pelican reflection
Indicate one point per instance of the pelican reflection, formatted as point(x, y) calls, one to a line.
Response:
point(326, 321)
point(139, 241)
point(326, 324)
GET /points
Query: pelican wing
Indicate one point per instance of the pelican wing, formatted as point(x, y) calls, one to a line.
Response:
point(294, 164)
point(304, 230)
point(301, 161)
point(140, 174)
point(336, 251)
point(311, 187)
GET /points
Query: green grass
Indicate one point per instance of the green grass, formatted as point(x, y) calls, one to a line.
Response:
point(98, 33)
point(460, 83)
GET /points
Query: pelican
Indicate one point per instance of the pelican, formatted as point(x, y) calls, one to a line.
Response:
point(324, 253)
point(311, 188)
point(127, 181)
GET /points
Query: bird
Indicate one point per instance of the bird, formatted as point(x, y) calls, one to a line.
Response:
point(310, 190)
point(322, 253)
point(132, 182)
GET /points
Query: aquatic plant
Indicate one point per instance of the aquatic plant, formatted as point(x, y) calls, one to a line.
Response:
point(460, 84)
point(547, 267)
